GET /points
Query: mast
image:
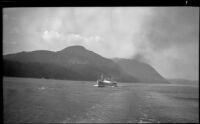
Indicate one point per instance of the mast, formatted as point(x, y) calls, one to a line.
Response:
point(102, 77)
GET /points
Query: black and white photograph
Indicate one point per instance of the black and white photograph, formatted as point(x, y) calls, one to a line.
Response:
point(100, 64)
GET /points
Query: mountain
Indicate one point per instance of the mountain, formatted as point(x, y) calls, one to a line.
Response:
point(74, 63)
point(140, 70)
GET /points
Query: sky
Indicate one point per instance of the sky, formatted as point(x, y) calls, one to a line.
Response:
point(167, 38)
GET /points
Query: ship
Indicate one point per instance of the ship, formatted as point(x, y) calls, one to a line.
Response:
point(106, 81)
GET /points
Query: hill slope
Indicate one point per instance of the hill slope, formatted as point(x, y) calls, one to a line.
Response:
point(142, 71)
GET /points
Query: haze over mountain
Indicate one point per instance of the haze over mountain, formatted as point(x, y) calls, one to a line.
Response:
point(144, 72)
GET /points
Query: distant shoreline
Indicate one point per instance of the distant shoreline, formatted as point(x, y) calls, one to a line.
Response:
point(183, 81)
point(170, 81)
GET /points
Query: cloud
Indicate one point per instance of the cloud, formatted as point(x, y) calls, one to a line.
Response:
point(172, 26)
point(50, 35)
